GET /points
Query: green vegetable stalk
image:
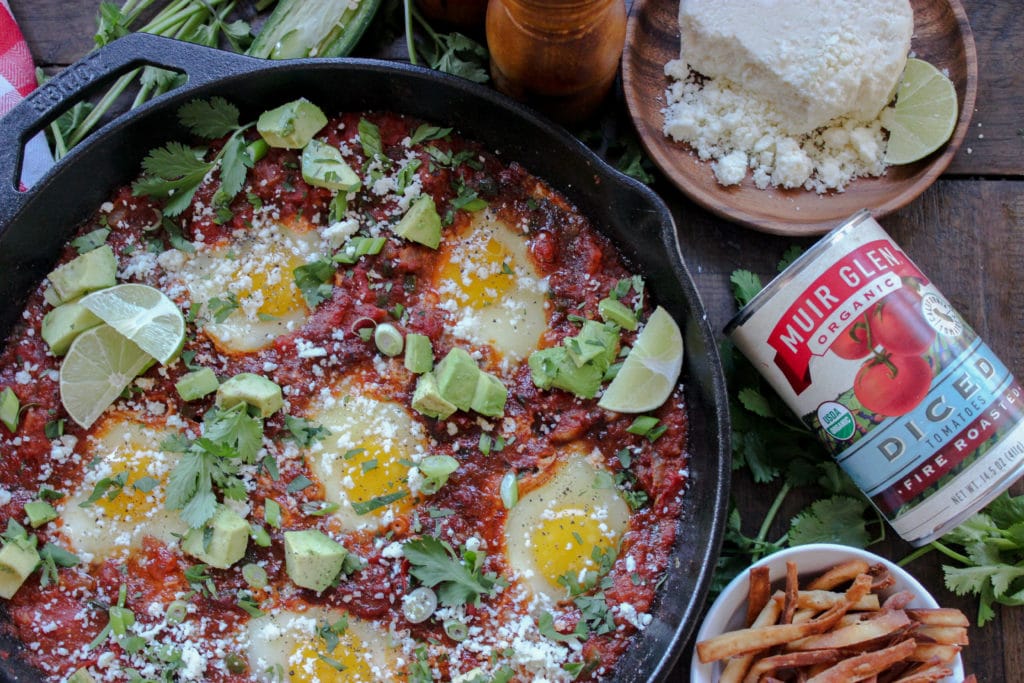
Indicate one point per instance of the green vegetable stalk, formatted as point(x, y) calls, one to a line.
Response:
point(313, 28)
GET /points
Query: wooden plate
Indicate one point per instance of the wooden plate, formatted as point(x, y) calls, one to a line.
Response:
point(942, 36)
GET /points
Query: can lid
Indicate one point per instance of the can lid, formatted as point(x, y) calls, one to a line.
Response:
point(794, 269)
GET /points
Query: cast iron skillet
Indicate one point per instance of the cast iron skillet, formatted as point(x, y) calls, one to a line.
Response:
point(34, 225)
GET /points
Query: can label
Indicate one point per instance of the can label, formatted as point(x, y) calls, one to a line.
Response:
point(911, 403)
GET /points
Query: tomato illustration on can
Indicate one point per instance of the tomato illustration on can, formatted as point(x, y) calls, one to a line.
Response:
point(872, 358)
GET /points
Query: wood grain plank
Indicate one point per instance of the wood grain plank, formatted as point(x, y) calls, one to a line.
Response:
point(995, 145)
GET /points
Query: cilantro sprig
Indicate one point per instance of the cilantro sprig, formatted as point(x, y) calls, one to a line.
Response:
point(989, 551)
point(175, 171)
point(212, 461)
point(457, 580)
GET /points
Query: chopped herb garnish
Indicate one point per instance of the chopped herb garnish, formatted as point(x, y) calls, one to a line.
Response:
point(315, 281)
point(457, 580)
point(91, 240)
point(299, 483)
point(363, 507)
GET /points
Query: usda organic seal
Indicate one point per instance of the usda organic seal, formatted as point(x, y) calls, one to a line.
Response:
point(837, 420)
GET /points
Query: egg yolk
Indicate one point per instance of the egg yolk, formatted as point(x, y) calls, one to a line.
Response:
point(311, 663)
point(564, 541)
point(276, 284)
point(480, 271)
point(377, 468)
point(128, 502)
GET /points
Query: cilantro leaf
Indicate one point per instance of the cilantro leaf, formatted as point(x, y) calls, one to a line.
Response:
point(839, 519)
point(457, 580)
point(233, 167)
point(427, 132)
point(303, 432)
point(745, 286)
point(369, 138)
point(315, 281)
point(212, 118)
point(173, 171)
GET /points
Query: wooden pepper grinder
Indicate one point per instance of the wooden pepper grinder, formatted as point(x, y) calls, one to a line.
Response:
point(559, 56)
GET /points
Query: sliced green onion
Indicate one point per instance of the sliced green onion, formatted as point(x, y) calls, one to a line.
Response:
point(259, 535)
point(272, 513)
point(509, 490)
point(388, 339)
point(456, 630)
point(419, 605)
point(177, 611)
point(255, 576)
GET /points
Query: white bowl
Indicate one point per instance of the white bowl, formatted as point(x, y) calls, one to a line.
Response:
point(728, 611)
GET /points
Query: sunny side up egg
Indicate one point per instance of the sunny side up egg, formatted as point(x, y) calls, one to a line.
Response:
point(291, 646)
point(554, 529)
point(365, 461)
point(490, 287)
point(124, 453)
point(246, 286)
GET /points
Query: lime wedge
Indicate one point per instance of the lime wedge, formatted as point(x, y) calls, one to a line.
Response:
point(99, 365)
point(924, 115)
point(142, 314)
point(650, 371)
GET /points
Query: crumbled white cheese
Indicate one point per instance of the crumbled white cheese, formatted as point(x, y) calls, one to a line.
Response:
point(791, 93)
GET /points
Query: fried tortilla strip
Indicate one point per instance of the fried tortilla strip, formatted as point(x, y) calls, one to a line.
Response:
point(925, 674)
point(790, 660)
point(792, 588)
point(865, 665)
point(883, 578)
point(754, 639)
point(947, 635)
point(823, 600)
point(839, 574)
point(940, 616)
point(736, 668)
point(883, 625)
point(758, 594)
point(939, 652)
point(898, 600)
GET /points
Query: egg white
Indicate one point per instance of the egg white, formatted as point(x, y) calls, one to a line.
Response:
point(554, 528)
point(489, 285)
point(285, 646)
point(369, 453)
point(257, 268)
point(122, 442)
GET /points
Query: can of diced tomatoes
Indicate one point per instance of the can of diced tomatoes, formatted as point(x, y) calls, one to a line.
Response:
point(909, 400)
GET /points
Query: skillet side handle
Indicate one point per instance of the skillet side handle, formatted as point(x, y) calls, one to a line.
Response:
point(85, 78)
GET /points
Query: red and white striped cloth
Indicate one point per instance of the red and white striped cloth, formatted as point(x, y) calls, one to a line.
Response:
point(18, 79)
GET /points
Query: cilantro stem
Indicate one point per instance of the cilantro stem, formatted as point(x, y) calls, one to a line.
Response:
point(934, 545)
point(772, 511)
point(410, 43)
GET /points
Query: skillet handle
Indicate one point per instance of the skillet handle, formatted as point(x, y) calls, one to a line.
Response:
point(85, 78)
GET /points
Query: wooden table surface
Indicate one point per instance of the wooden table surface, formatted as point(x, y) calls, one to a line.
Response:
point(966, 232)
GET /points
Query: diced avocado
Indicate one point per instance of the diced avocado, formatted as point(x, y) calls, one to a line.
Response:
point(64, 323)
point(220, 543)
point(421, 223)
point(96, 269)
point(553, 367)
point(39, 513)
point(427, 398)
point(197, 384)
point(255, 390)
point(596, 342)
point(490, 395)
point(419, 353)
point(10, 409)
point(614, 311)
point(81, 676)
point(291, 125)
point(322, 166)
point(18, 559)
point(312, 558)
point(457, 375)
